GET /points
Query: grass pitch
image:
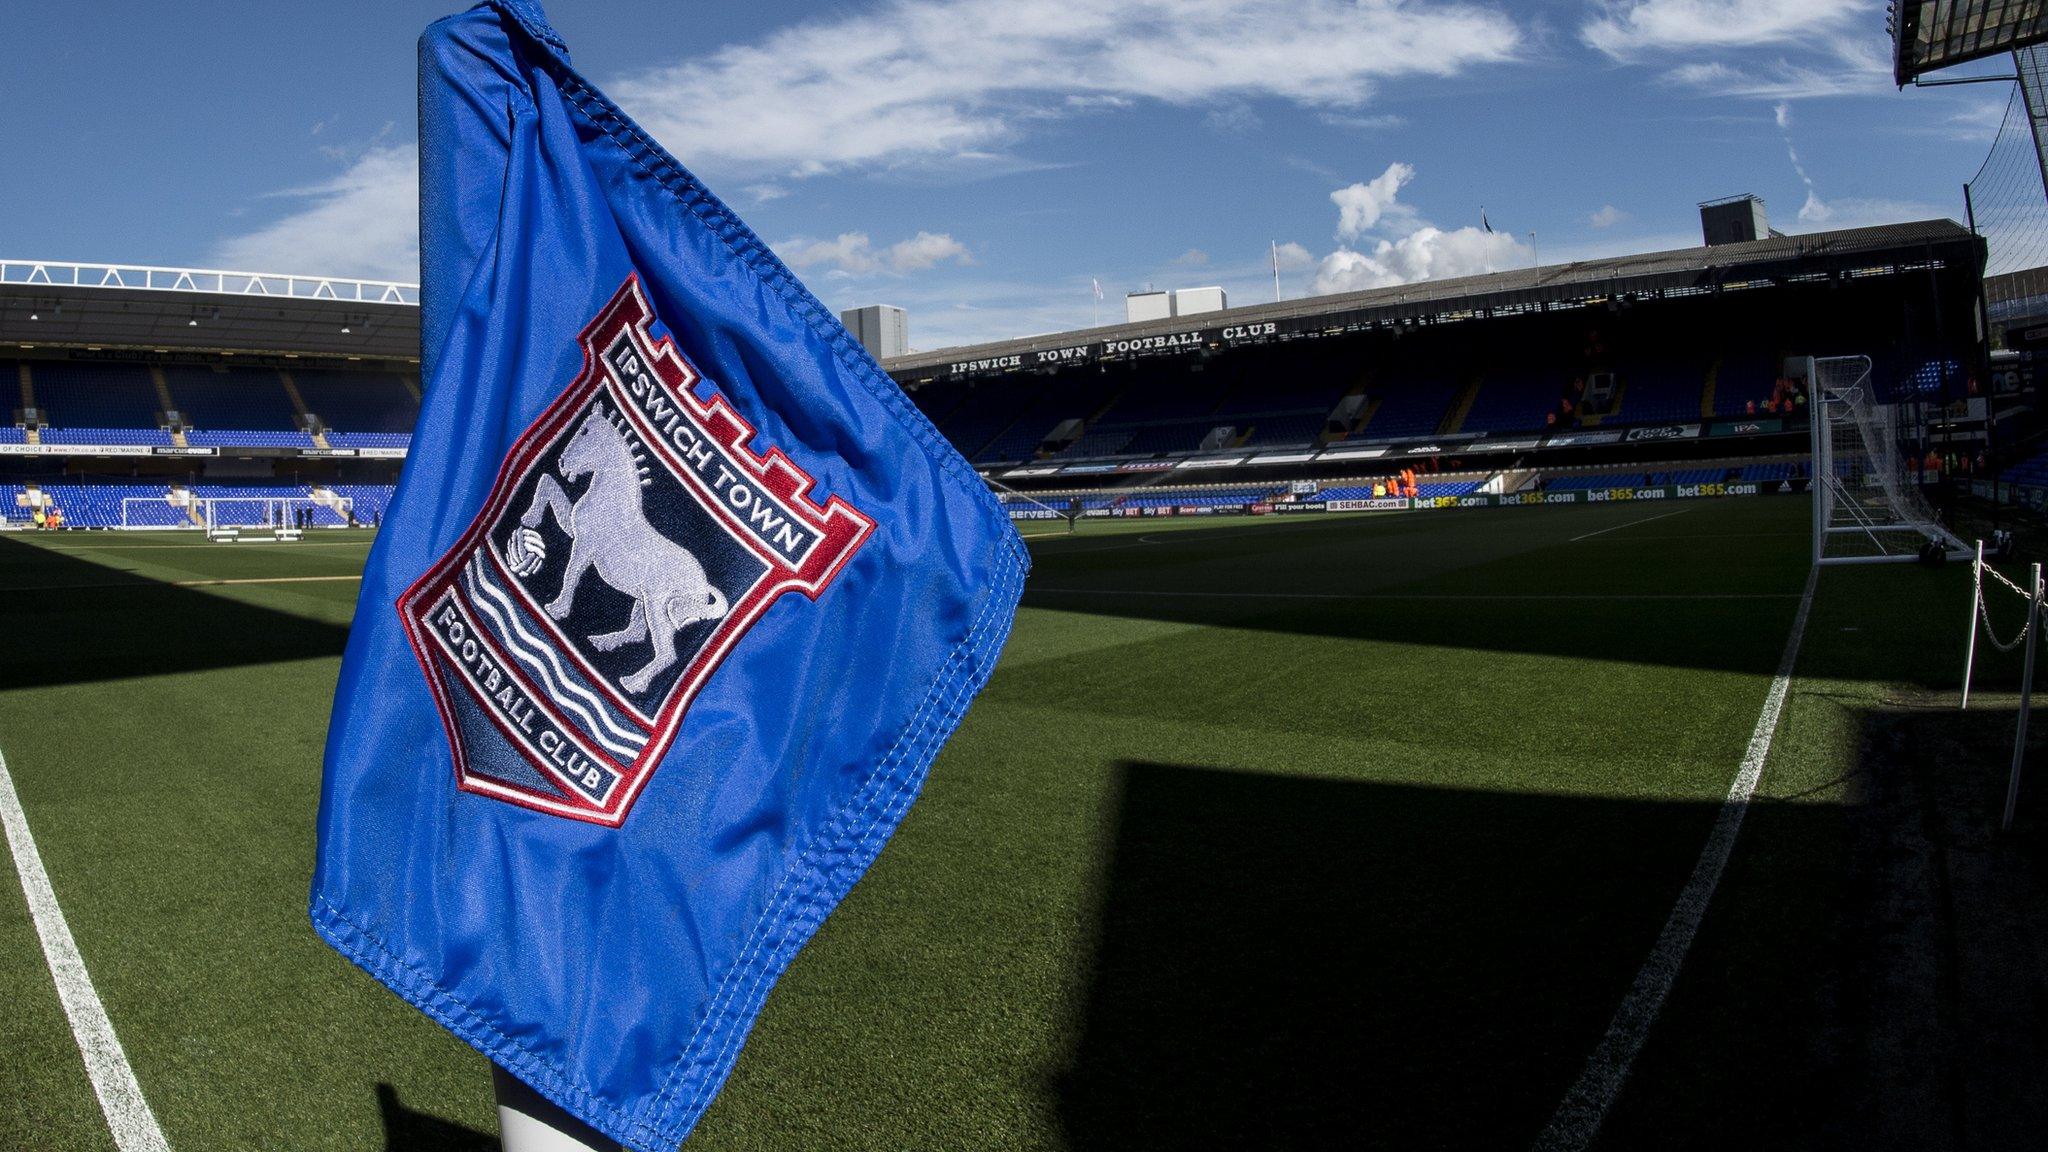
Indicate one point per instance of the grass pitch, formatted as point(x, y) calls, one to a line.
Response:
point(1326, 831)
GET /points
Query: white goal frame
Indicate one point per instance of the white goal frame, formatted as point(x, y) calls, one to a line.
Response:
point(275, 523)
point(1875, 513)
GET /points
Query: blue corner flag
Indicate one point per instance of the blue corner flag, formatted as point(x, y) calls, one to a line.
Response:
point(675, 604)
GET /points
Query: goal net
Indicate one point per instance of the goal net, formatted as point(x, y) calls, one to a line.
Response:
point(1868, 503)
point(269, 517)
point(1023, 509)
point(154, 512)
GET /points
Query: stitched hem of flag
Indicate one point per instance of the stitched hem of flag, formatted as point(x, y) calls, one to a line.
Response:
point(814, 884)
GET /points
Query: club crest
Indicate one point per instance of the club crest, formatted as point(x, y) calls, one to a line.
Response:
point(630, 541)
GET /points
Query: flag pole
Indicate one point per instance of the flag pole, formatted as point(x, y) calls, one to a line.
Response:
point(1276, 269)
point(529, 1122)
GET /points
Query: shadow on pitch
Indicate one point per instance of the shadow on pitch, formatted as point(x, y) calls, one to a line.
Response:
point(86, 622)
point(1505, 580)
point(1298, 963)
point(409, 1130)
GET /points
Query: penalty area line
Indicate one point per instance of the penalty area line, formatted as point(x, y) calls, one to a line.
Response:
point(133, 1125)
point(1630, 524)
point(1579, 1116)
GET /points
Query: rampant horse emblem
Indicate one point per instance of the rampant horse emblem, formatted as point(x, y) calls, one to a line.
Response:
point(608, 531)
point(631, 540)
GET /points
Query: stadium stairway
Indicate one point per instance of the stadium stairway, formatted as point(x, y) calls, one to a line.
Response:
point(1593, 419)
point(168, 403)
point(291, 389)
point(163, 389)
point(1372, 408)
point(1511, 481)
point(1460, 408)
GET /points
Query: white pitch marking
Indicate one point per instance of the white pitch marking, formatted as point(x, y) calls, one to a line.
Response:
point(1630, 524)
point(1578, 1118)
point(262, 580)
point(145, 582)
point(128, 1116)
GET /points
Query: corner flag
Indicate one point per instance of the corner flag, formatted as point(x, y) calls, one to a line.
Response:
point(677, 600)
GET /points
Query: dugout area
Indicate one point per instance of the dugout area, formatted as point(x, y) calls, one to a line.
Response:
point(1362, 859)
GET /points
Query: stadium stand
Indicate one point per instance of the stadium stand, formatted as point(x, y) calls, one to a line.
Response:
point(1408, 408)
point(97, 503)
point(1279, 411)
point(369, 439)
point(367, 501)
point(1512, 403)
point(1600, 480)
point(357, 402)
point(1436, 488)
point(1656, 392)
point(1048, 408)
point(105, 436)
point(979, 415)
point(231, 399)
point(1745, 378)
point(94, 394)
point(254, 438)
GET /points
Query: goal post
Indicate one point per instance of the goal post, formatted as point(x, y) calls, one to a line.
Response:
point(1868, 507)
point(230, 518)
point(1019, 506)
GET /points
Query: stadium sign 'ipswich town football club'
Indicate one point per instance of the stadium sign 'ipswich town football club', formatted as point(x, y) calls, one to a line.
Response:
point(630, 541)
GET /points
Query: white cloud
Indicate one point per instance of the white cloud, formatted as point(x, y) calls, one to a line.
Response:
point(1378, 122)
point(1293, 257)
point(926, 249)
point(1606, 216)
point(1192, 258)
point(1836, 46)
point(906, 81)
point(1862, 212)
point(1407, 248)
point(363, 222)
point(1625, 29)
point(1234, 120)
point(1815, 210)
point(1428, 253)
point(1360, 206)
point(1853, 70)
point(854, 254)
point(763, 193)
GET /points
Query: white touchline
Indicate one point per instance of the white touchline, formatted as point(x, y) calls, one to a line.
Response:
point(1578, 1117)
point(1630, 524)
point(209, 583)
point(113, 1081)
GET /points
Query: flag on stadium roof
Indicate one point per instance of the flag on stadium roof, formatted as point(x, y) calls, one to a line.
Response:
point(675, 604)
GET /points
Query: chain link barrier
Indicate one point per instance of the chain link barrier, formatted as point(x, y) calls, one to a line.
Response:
point(1984, 612)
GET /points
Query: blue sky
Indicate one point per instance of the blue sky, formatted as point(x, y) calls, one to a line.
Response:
point(979, 162)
